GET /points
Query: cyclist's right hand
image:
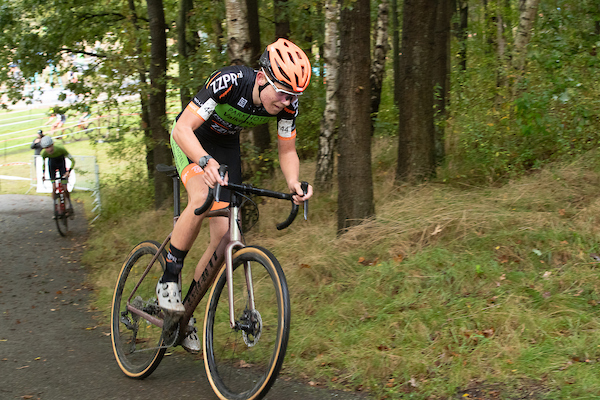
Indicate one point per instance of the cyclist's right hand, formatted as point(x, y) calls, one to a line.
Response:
point(211, 174)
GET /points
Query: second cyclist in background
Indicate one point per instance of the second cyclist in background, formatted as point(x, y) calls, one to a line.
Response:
point(57, 120)
point(207, 134)
point(56, 155)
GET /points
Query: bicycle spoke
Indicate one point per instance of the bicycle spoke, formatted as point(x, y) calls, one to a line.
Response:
point(137, 343)
point(243, 362)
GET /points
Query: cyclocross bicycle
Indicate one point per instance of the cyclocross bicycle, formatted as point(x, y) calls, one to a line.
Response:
point(247, 319)
point(61, 209)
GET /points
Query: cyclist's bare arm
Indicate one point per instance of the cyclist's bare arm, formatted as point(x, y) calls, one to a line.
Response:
point(290, 166)
point(183, 133)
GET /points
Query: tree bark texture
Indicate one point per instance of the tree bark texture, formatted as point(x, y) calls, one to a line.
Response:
point(416, 151)
point(523, 36)
point(239, 47)
point(157, 99)
point(282, 19)
point(326, 156)
point(461, 32)
point(355, 181)
point(379, 57)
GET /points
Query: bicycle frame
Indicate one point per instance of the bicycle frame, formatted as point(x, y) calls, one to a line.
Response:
point(59, 189)
point(230, 242)
point(224, 253)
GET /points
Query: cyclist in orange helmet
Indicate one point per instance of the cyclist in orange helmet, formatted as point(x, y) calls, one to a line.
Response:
point(206, 134)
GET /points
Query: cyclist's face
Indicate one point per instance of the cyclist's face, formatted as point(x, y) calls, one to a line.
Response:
point(275, 98)
point(50, 149)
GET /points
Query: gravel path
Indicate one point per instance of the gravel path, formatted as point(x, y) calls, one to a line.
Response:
point(51, 346)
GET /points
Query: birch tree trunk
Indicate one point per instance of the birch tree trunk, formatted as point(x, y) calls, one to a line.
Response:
point(528, 10)
point(239, 49)
point(326, 156)
point(379, 56)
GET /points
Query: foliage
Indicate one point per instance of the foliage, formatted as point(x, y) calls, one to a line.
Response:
point(494, 137)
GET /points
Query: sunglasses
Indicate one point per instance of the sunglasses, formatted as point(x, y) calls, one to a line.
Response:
point(282, 93)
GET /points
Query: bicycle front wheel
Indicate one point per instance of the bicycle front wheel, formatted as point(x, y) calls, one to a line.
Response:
point(60, 217)
point(137, 343)
point(243, 363)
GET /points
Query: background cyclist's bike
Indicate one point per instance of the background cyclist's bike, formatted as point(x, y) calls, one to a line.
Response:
point(247, 319)
point(62, 205)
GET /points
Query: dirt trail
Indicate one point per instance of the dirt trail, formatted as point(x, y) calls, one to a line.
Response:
point(51, 347)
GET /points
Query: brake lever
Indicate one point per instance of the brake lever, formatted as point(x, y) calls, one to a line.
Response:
point(304, 186)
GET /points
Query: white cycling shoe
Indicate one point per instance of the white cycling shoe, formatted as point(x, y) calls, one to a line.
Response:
point(169, 297)
point(191, 343)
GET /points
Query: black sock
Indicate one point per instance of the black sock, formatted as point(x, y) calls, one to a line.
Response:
point(174, 265)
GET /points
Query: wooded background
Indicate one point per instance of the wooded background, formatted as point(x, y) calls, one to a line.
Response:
point(475, 90)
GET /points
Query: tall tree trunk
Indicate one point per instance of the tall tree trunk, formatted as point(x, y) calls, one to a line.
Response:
point(441, 73)
point(416, 155)
point(461, 32)
point(261, 138)
point(141, 66)
point(355, 182)
point(503, 54)
point(379, 57)
point(218, 31)
point(282, 19)
point(326, 156)
point(239, 48)
point(157, 100)
point(395, 49)
point(528, 10)
point(254, 33)
point(185, 6)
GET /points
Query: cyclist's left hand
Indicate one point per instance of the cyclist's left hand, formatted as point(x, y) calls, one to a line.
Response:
point(298, 197)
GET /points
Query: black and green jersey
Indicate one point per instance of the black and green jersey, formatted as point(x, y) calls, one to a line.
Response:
point(225, 105)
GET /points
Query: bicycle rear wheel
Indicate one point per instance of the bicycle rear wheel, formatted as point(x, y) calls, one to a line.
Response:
point(137, 343)
point(243, 363)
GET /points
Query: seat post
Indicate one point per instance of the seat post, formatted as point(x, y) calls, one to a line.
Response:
point(176, 195)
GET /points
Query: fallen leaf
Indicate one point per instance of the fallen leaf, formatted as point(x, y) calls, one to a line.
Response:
point(546, 275)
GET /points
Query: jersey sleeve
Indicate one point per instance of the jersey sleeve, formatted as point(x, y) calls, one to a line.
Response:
point(286, 122)
point(217, 90)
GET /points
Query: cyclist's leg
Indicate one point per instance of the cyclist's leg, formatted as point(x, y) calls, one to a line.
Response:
point(218, 229)
point(184, 233)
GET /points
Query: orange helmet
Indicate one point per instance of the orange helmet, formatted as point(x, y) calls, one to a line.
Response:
point(287, 64)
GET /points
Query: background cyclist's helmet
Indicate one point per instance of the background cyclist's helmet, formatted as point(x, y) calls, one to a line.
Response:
point(40, 132)
point(46, 142)
point(287, 64)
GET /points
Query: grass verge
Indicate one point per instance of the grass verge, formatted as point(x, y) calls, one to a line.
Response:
point(448, 291)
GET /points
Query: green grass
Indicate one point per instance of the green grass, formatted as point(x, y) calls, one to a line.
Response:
point(450, 292)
